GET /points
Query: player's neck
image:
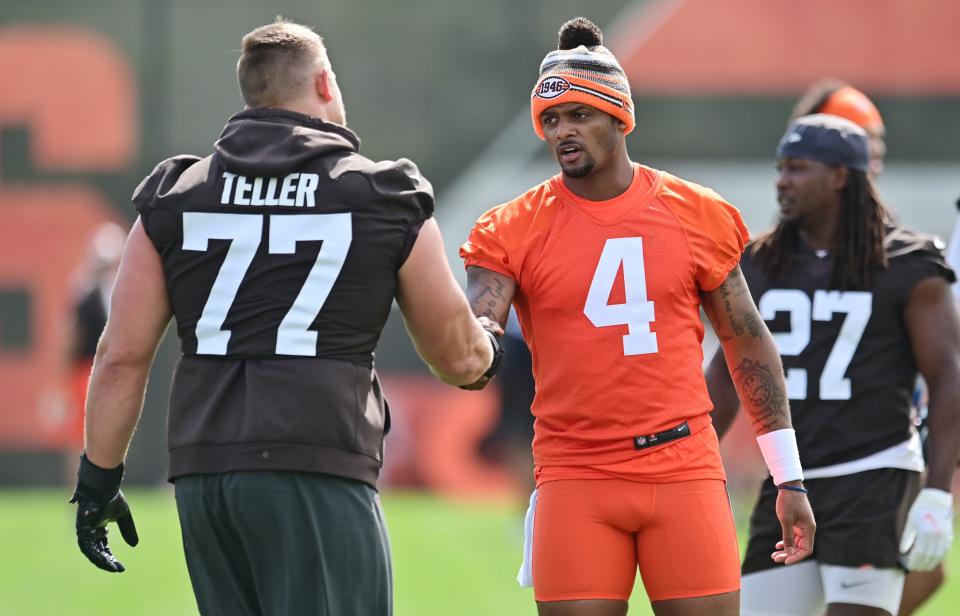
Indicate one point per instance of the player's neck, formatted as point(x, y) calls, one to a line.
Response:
point(818, 233)
point(603, 184)
point(309, 107)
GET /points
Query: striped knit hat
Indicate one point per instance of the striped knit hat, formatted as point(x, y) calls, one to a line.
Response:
point(582, 70)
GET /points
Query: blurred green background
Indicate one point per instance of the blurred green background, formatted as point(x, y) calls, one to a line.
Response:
point(450, 557)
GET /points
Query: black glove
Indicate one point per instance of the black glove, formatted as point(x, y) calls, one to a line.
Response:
point(99, 502)
point(495, 365)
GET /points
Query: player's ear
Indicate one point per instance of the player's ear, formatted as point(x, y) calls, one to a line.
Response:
point(322, 84)
point(840, 177)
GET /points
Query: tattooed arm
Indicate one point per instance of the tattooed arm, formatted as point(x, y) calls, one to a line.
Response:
point(748, 347)
point(757, 375)
point(489, 294)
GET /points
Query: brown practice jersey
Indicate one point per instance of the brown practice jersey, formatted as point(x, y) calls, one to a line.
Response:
point(850, 369)
point(280, 252)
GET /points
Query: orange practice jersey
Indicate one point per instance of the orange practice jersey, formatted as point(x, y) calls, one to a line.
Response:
point(608, 301)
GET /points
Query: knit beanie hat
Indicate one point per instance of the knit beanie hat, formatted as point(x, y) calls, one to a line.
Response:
point(582, 70)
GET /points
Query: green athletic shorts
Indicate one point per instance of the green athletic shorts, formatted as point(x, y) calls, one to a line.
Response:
point(275, 543)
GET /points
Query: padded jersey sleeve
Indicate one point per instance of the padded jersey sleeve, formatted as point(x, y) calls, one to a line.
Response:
point(932, 262)
point(731, 237)
point(160, 181)
point(486, 248)
point(502, 237)
point(404, 184)
point(396, 183)
point(714, 229)
point(159, 223)
point(914, 257)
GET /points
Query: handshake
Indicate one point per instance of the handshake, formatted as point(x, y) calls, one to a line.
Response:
point(494, 331)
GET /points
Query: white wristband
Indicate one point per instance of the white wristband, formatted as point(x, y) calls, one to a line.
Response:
point(779, 449)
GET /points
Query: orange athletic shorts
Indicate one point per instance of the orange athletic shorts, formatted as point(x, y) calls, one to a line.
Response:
point(590, 535)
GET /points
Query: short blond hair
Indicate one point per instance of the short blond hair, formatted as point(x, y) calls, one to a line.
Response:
point(277, 61)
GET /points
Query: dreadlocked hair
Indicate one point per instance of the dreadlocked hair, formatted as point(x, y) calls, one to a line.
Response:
point(858, 247)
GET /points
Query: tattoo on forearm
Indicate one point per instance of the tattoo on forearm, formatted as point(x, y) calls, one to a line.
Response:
point(754, 325)
point(762, 393)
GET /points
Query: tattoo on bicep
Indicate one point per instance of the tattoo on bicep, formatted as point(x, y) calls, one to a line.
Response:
point(761, 392)
point(734, 288)
point(489, 298)
point(494, 293)
point(487, 311)
point(725, 296)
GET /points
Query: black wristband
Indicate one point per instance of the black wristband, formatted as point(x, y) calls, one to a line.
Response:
point(497, 361)
point(104, 482)
point(800, 489)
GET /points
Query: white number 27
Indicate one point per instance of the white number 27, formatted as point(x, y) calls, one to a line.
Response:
point(857, 305)
point(636, 312)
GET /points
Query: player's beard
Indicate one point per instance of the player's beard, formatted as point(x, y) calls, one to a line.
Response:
point(581, 170)
point(608, 146)
point(585, 168)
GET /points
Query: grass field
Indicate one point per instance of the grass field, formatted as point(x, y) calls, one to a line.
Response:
point(449, 558)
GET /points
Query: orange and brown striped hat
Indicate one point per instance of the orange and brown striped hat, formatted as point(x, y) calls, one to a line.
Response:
point(582, 70)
